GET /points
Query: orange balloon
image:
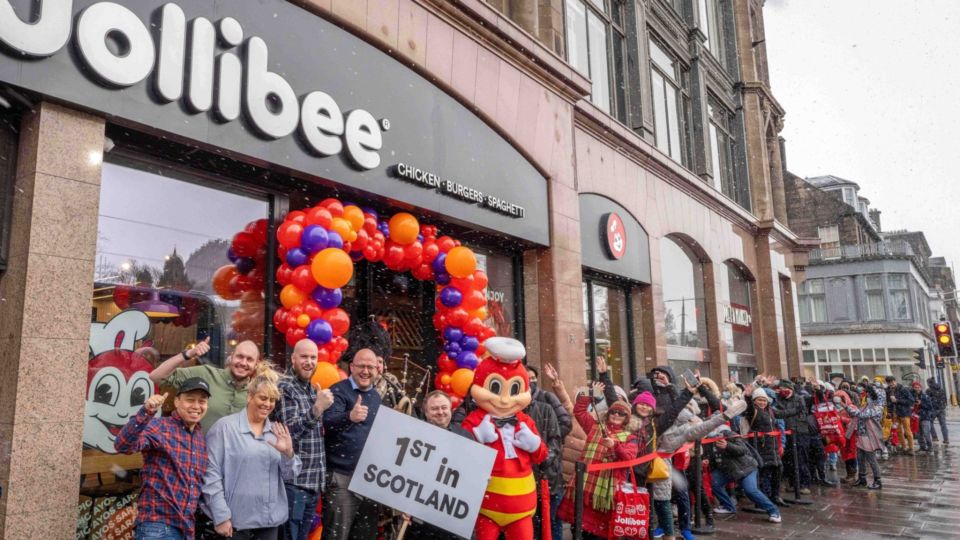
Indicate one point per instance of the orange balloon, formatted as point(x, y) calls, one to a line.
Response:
point(325, 375)
point(444, 379)
point(354, 215)
point(461, 262)
point(221, 282)
point(341, 227)
point(291, 296)
point(461, 380)
point(303, 321)
point(404, 228)
point(332, 268)
point(480, 313)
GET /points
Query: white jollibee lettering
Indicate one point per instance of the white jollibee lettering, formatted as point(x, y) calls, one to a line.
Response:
point(119, 50)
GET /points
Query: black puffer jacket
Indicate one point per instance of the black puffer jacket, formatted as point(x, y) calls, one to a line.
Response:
point(761, 421)
point(937, 395)
point(665, 395)
point(905, 400)
point(563, 416)
point(794, 414)
point(546, 421)
point(735, 461)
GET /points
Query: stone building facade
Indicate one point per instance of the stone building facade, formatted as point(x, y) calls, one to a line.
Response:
point(657, 112)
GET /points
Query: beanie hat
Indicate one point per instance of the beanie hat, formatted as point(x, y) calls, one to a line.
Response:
point(647, 399)
point(786, 385)
point(759, 394)
point(622, 405)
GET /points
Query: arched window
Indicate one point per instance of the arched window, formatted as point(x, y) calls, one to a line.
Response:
point(736, 328)
point(685, 316)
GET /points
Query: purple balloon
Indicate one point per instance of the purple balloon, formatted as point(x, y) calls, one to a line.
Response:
point(469, 343)
point(327, 298)
point(453, 355)
point(443, 278)
point(356, 256)
point(439, 264)
point(384, 228)
point(245, 264)
point(320, 331)
point(296, 257)
point(334, 240)
point(452, 333)
point(231, 255)
point(452, 348)
point(467, 359)
point(371, 211)
point(313, 238)
point(420, 238)
point(451, 297)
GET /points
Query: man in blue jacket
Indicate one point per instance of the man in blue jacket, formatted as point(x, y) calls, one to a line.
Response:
point(347, 423)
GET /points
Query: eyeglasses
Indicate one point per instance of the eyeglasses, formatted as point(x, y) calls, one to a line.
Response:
point(362, 368)
point(617, 412)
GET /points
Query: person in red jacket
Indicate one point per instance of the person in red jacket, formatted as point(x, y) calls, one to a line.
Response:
point(501, 390)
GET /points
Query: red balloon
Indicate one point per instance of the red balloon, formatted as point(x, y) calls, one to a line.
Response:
point(319, 216)
point(312, 310)
point(439, 321)
point(455, 401)
point(256, 279)
point(430, 251)
point(423, 272)
point(323, 355)
point(239, 283)
point(480, 280)
point(259, 230)
point(302, 278)
point(393, 255)
point(465, 285)
point(296, 216)
point(446, 364)
point(457, 317)
point(244, 244)
point(445, 243)
point(288, 234)
point(297, 310)
point(370, 224)
point(280, 320)
point(473, 300)
point(290, 321)
point(438, 381)
point(473, 327)
point(333, 205)
point(487, 333)
point(361, 241)
point(481, 350)
point(340, 343)
point(339, 320)
point(370, 253)
point(284, 273)
point(413, 252)
point(295, 334)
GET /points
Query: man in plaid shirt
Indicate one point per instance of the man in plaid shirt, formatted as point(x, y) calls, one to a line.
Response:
point(174, 461)
point(301, 410)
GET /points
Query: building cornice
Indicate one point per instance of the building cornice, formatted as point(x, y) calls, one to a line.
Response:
point(761, 89)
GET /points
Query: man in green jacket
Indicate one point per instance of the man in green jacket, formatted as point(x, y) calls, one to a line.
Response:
point(228, 385)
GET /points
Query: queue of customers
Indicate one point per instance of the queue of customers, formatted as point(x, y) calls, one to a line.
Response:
point(248, 454)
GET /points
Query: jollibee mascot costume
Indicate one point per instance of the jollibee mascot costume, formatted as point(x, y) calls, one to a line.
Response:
point(501, 390)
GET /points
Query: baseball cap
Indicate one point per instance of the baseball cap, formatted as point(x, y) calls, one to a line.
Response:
point(194, 383)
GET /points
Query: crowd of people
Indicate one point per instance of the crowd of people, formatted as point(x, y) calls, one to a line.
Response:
point(250, 453)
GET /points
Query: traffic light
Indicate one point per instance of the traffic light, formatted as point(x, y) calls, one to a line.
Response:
point(944, 336)
point(919, 358)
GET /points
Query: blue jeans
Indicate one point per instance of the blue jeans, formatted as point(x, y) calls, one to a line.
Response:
point(157, 530)
point(301, 507)
point(749, 485)
point(556, 524)
point(682, 498)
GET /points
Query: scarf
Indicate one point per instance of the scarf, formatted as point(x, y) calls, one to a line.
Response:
point(599, 486)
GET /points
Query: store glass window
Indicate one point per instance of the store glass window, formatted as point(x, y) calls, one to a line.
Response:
point(737, 327)
point(685, 317)
point(607, 328)
point(501, 297)
point(899, 296)
point(166, 276)
point(669, 103)
point(596, 41)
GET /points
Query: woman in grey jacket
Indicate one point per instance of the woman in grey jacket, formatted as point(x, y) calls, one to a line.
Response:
point(866, 422)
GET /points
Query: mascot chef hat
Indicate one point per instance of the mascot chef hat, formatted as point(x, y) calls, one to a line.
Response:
point(503, 357)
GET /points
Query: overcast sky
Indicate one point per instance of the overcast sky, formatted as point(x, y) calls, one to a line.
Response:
point(872, 94)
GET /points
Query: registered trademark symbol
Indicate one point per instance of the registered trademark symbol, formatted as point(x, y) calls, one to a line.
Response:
point(385, 124)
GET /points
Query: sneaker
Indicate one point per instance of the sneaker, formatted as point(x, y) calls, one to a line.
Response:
point(687, 535)
point(657, 533)
point(804, 491)
point(876, 484)
point(723, 511)
point(774, 518)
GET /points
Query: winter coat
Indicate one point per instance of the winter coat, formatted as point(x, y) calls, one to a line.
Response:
point(682, 432)
point(762, 421)
point(905, 400)
point(794, 412)
point(735, 461)
point(659, 425)
point(546, 421)
point(937, 396)
point(927, 410)
point(866, 424)
point(665, 395)
point(564, 420)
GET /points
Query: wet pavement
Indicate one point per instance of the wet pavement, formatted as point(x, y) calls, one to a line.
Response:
point(920, 499)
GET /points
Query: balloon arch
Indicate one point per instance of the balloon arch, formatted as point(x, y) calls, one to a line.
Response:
point(319, 247)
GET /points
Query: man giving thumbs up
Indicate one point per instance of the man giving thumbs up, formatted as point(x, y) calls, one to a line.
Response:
point(348, 422)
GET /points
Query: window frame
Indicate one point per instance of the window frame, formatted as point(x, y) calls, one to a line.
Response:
point(677, 81)
point(613, 18)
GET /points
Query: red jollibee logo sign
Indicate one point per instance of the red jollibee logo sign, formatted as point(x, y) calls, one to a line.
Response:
point(615, 235)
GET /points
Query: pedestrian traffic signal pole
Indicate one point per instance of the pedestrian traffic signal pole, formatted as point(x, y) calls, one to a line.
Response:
point(796, 473)
point(698, 526)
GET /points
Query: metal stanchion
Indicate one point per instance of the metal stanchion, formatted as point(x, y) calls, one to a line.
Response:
point(698, 527)
point(581, 470)
point(796, 473)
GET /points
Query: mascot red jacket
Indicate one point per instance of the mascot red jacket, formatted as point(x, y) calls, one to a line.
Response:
point(501, 390)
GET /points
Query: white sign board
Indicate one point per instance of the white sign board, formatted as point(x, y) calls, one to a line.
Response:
point(430, 473)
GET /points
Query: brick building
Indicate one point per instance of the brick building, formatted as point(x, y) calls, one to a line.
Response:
point(569, 117)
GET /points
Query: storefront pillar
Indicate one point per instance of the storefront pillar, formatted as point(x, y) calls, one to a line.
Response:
point(771, 351)
point(45, 321)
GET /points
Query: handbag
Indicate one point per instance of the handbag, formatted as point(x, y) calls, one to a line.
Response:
point(630, 517)
point(659, 469)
